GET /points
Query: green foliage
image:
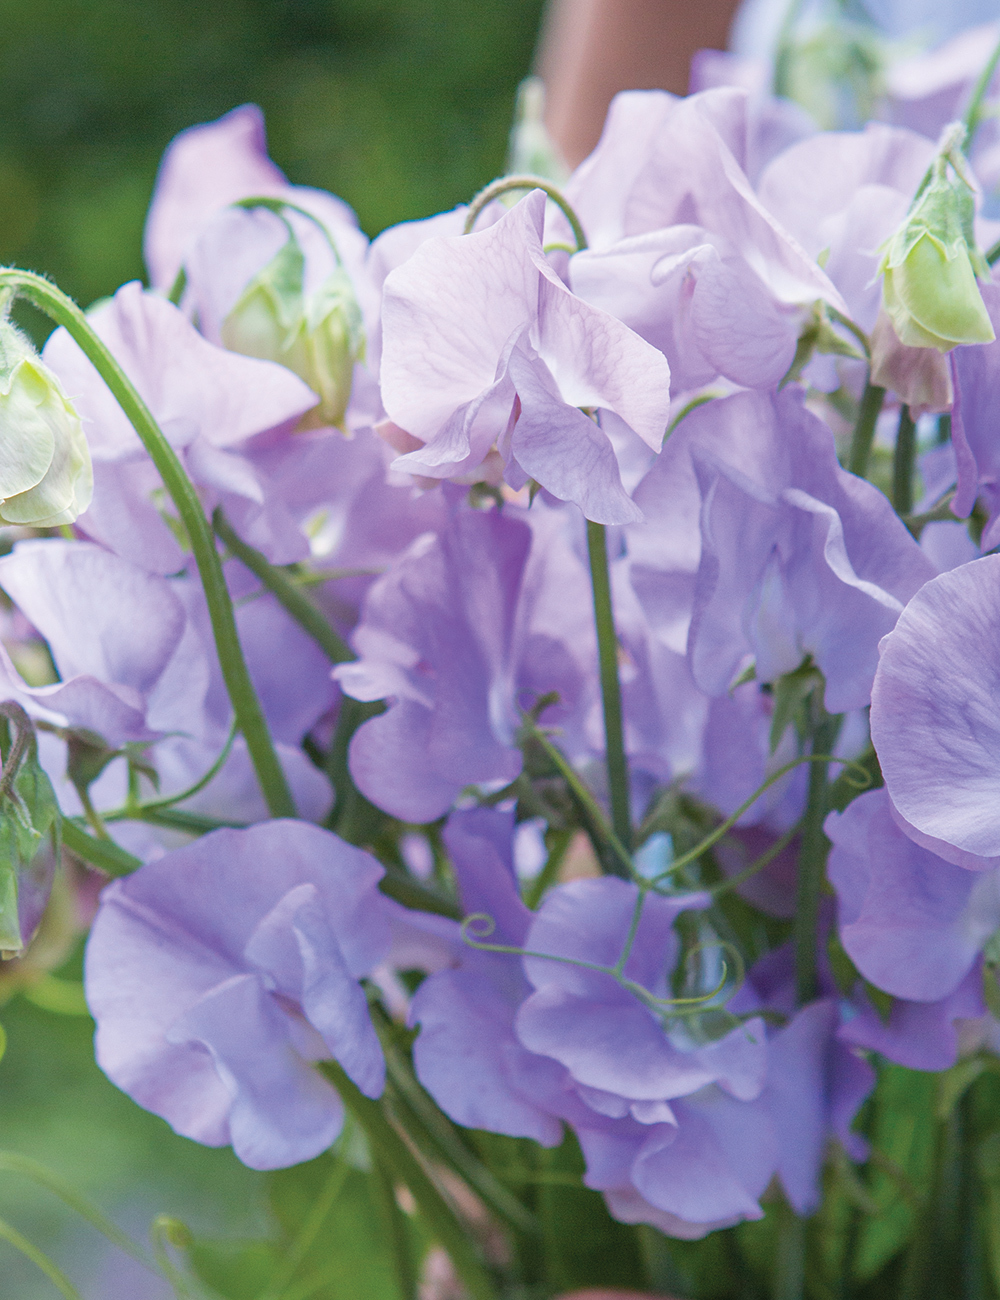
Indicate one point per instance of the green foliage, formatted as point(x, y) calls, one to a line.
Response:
point(400, 106)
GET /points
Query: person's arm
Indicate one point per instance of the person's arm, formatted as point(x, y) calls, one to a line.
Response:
point(591, 49)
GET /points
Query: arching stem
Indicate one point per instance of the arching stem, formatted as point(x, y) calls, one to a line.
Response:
point(249, 715)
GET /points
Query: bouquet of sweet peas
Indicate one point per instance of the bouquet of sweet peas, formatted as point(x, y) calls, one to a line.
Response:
point(519, 698)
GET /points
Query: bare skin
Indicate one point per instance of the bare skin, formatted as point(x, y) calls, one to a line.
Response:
point(591, 49)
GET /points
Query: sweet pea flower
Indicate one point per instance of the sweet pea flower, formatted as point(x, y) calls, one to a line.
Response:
point(208, 168)
point(841, 194)
point(933, 716)
point(483, 346)
point(976, 371)
point(682, 249)
point(796, 556)
point(207, 402)
point(698, 1131)
point(912, 923)
point(137, 663)
point(464, 630)
point(218, 974)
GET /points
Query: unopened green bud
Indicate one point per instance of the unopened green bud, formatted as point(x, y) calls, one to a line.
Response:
point(28, 816)
point(319, 336)
point(45, 472)
point(930, 265)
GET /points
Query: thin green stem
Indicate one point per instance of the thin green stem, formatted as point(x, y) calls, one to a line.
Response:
point(611, 694)
point(105, 855)
point(41, 1261)
point(508, 183)
point(974, 113)
point(289, 593)
point(154, 805)
point(584, 798)
point(397, 1232)
point(903, 460)
point(560, 847)
point(758, 864)
point(15, 1163)
point(863, 438)
point(299, 1248)
point(812, 864)
point(446, 1143)
point(246, 706)
point(441, 1220)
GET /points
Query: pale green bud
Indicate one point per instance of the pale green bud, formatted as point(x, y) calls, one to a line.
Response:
point(45, 471)
point(930, 265)
point(29, 818)
point(319, 336)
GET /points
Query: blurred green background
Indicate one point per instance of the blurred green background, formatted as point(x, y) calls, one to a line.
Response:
point(403, 108)
point(400, 106)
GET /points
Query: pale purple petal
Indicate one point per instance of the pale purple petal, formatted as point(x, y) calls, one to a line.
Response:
point(934, 718)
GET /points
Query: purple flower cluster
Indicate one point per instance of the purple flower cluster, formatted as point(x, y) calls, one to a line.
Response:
point(426, 433)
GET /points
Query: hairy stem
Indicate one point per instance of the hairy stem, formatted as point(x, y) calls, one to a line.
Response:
point(249, 715)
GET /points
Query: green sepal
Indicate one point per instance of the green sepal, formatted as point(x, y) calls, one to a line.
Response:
point(790, 694)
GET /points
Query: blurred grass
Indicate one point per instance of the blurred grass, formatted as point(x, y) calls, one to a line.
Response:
point(400, 106)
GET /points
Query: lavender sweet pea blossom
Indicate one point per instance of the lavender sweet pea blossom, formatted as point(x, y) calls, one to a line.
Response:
point(218, 974)
point(934, 720)
point(796, 557)
point(205, 170)
point(466, 628)
point(207, 401)
point(138, 665)
point(682, 249)
point(912, 923)
point(483, 346)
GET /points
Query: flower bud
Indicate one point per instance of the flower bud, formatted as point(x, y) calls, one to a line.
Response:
point(29, 817)
point(930, 264)
point(319, 336)
point(45, 472)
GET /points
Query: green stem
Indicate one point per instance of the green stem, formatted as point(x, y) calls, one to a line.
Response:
point(299, 1248)
point(397, 1232)
point(41, 1261)
point(420, 898)
point(864, 430)
point(508, 183)
point(441, 1220)
point(611, 694)
point(14, 1163)
point(596, 823)
point(974, 113)
point(903, 461)
point(812, 864)
point(790, 1256)
point(440, 1139)
point(535, 892)
point(105, 855)
point(305, 611)
point(246, 706)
